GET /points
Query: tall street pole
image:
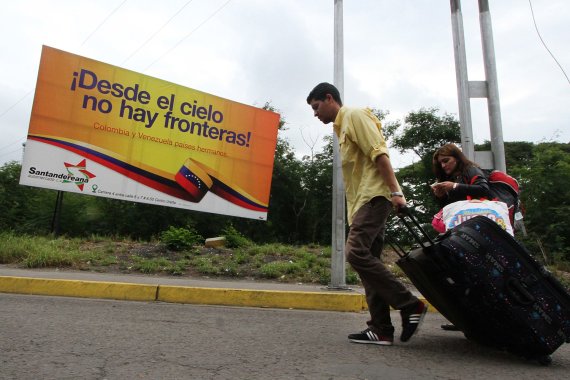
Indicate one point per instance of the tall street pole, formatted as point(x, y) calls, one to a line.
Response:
point(488, 89)
point(464, 103)
point(493, 105)
point(338, 262)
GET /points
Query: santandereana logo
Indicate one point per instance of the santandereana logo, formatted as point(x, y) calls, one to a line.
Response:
point(76, 173)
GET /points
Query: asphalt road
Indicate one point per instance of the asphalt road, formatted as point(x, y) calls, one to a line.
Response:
point(44, 337)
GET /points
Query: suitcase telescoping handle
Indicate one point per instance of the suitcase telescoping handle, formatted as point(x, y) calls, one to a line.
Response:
point(397, 248)
point(409, 220)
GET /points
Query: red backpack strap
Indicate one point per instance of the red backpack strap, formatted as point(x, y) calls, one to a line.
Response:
point(471, 182)
point(497, 176)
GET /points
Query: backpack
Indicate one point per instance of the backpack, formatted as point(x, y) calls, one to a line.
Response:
point(505, 188)
point(497, 178)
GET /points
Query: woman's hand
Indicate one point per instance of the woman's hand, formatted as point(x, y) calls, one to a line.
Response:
point(440, 189)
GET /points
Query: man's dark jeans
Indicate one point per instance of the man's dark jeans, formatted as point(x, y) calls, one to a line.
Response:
point(364, 246)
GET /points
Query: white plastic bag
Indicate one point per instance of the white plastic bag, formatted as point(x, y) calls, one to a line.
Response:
point(458, 212)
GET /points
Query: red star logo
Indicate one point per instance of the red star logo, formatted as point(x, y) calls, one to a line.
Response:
point(77, 170)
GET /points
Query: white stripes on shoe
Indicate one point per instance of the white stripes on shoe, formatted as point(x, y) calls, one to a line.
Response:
point(415, 318)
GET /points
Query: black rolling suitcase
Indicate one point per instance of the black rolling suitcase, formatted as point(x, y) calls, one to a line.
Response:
point(488, 285)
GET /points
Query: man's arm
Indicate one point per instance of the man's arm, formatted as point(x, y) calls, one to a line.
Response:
point(384, 167)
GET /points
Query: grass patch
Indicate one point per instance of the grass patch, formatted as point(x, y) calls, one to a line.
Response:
point(38, 252)
point(149, 266)
point(278, 269)
point(277, 262)
point(205, 266)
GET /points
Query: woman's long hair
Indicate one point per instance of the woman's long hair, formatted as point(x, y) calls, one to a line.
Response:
point(450, 150)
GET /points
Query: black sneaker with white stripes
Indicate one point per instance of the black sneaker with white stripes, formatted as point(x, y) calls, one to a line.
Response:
point(370, 337)
point(412, 319)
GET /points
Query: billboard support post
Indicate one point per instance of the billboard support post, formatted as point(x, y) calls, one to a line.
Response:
point(55, 220)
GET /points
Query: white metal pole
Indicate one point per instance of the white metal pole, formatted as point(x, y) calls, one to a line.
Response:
point(467, 144)
point(338, 261)
point(493, 104)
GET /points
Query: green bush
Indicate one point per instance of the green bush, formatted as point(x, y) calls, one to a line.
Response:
point(180, 239)
point(234, 239)
point(241, 257)
point(351, 277)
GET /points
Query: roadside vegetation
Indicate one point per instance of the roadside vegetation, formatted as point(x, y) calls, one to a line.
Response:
point(179, 252)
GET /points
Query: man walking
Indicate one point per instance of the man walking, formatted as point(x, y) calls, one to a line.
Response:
point(372, 190)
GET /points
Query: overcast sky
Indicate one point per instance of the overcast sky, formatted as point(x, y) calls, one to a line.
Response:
point(398, 57)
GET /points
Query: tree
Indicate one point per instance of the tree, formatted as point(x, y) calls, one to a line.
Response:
point(543, 175)
point(317, 182)
point(423, 132)
point(287, 200)
point(546, 196)
point(24, 209)
point(518, 154)
point(287, 196)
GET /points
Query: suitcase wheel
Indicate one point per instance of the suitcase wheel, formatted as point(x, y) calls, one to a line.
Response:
point(544, 360)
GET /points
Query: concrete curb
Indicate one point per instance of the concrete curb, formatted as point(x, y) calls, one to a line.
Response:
point(325, 301)
point(78, 288)
point(262, 298)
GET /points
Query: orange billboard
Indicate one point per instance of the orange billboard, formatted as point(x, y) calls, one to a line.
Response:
point(106, 131)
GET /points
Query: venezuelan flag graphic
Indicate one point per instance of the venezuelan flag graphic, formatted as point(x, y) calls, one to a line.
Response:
point(198, 179)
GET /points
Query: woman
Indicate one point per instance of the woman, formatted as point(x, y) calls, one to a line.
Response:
point(458, 178)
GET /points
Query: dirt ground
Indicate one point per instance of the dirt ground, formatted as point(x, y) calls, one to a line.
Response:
point(124, 252)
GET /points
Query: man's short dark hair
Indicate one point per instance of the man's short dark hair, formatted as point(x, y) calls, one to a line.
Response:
point(320, 93)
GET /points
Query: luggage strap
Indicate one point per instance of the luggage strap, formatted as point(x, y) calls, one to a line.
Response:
point(404, 212)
